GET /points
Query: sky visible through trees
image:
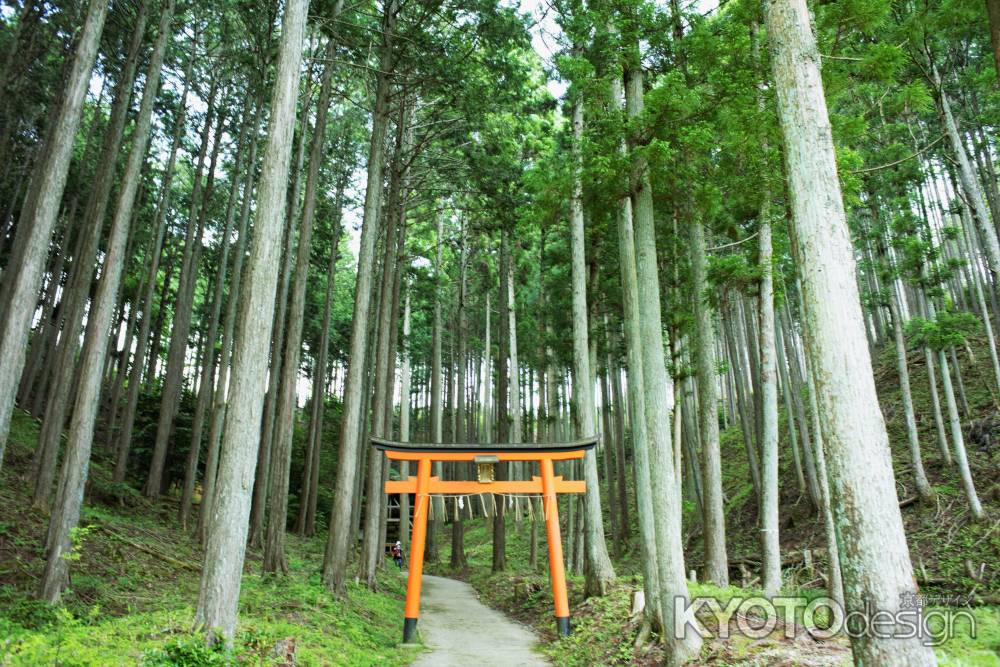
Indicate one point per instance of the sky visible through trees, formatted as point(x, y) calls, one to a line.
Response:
point(752, 246)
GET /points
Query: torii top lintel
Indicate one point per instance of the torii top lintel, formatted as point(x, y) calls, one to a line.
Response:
point(518, 451)
point(541, 453)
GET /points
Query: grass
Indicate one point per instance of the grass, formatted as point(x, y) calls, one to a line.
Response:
point(134, 606)
point(129, 606)
point(943, 543)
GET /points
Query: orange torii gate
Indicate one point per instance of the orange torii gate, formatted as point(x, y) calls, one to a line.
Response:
point(485, 456)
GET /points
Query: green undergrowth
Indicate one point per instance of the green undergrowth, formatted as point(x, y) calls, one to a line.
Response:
point(134, 585)
point(604, 629)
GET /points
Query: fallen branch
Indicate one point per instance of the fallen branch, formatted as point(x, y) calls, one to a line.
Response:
point(152, 552)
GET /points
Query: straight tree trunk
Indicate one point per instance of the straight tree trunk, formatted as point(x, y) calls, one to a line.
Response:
point(835, 585)
point(458, 561)
point(770, 498)
point(307, 517)
point(341, 528)
point(969, 181)
point(226, 545)
point(993, 12)
point(281, 458)
point(876, 561)
point(262, 477)
point(790, 410)
point(206, 386)
point(600, 572)
point(924, 489)
point(404, 423)
point(955, 425)
point(502, 416)
point(220, 397)
point(184, 306)
point(487, 371)
point(437, 413)
point(681, 647)
point(39, 213)
point(621, 408)
point(81, 275)
point(642, 458)
point(73, 477)
point(798, 384)
point(372, 548)
point(713, 509)
point(967, 250)
point(744, 399)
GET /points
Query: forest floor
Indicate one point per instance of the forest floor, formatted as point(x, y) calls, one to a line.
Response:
point(135, 584)
point(957, 561)
point(135, 579)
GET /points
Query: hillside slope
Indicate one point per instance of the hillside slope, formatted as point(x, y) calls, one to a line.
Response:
point(135, 583)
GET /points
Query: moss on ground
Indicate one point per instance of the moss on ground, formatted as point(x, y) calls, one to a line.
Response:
point(134, 588)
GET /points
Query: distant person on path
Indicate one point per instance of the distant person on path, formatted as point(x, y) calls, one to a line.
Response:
point(397, 554)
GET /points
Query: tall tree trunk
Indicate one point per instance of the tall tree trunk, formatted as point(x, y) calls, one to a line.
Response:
point(437, 413)
point(226, 546)
point(341, 528)
point(876, 562)
point(621, 408)
point(658, 400)
point(798, 384)
point(184, 306)
point(404, 424)
point(73, 477)
point(499, 552)
point(281, 458)
point(44, 338)
point(770, 497)
point(307, 512)
point(516, 422)
point(713, 510)
point(640, 444)
point(744, 398)
point(993, 10)
point(220, 397)
point(487, 370)
point(791, 407)
point(372, 547)
point(81, 275)
point(458, 561)
point(262, 473)
point(600, 572)
point(39, 213)
point(969, 181)
point(206, 386)
point(967, 246)
point(955, 424)
point(924, 489)
point(610, 437)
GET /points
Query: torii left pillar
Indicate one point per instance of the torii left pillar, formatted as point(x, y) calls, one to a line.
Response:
point(547, 484)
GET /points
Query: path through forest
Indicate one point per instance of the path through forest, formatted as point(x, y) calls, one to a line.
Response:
point(460, 630)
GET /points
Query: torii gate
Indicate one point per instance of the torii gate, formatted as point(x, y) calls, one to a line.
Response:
point(485, 456)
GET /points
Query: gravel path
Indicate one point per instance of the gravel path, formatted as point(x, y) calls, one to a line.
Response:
point(461, 631)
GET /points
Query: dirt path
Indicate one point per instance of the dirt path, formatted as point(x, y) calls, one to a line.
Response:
point(460, 630)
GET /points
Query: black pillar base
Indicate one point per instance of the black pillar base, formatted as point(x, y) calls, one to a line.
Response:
point(562, 626)
point(409, 629)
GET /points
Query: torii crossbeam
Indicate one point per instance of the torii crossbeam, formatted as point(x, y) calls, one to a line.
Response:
point(423, 486)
